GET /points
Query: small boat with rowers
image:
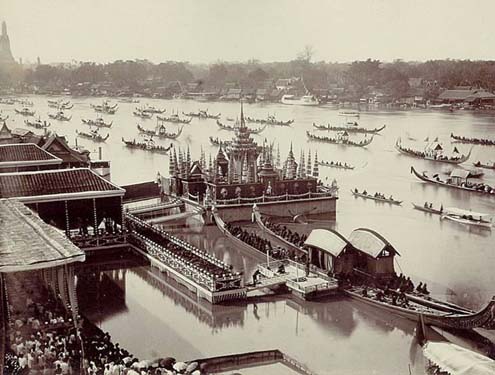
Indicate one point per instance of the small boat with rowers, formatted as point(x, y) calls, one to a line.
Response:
point(433, 153)
point(376, 197)
point(147, 145)
point(151, 109)
point(105, 107)
point(474, 141)
point(233, 127)
point(25, 112)
point(160, 132)
point(428, 208)
point(202, 114)
point(98, 122)
point(350, 114)
point(60, 116)
point(38, 123)
point(341, 139)
point(218, 142)
point(143, 114)
point(350, 129)
point(174, 118)
point(458, 179)
point(479, 164)
point(93, 135)
point(270, 120)
point(337, 164)
point(468, 217)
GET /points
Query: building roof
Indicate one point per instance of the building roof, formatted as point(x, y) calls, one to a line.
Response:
point(25, 154)
point(55, 185)
point(27, 242)
point(58, 146)
point(455, 94)
point(327, 240)
point(370, 242)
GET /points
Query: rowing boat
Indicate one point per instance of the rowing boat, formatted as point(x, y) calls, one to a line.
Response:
point(427, 209)
point(474, 141)
point(445, 316)
point(433, 156)
point(480, 188)
point(379, 199)
point(486, 166)
point(233, 128)
point(340, 140)
point(349, 129)
point(337, 165)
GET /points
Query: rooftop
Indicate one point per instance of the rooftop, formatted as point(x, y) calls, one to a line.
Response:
point(25, 153)
point(27, 242)
point(327, 240)
point(59, 184)
point(370, 242)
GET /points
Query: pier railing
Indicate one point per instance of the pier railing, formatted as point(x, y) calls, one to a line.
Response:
point(275, 198)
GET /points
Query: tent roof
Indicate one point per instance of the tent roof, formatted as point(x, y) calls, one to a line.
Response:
point(370, 242)
point(458, 361)
point(327, 240)
point(462, 173)
point(27, 242)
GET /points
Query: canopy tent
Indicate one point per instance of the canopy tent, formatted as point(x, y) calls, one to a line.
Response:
point(28, 243)
point(459, 173)
point(456, 360)
point(327, 240)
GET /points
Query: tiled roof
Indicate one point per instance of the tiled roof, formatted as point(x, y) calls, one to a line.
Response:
point(80, 181)
point(27, 242)
point(23, 152)
point(455, 94)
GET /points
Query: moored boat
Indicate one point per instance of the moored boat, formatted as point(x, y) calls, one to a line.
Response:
point(25, 111)
point(376, 197)
point(433, 154)
point(341, 139)
point(432, 313)
point(468, 217)
point(350, 129)
point(457, 180)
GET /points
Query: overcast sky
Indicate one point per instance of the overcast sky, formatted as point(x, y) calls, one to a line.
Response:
point(234, 30)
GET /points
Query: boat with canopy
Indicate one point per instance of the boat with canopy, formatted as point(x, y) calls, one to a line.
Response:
point(468, 217)
point(342, 138)
point(350, 129)
point(433, 152)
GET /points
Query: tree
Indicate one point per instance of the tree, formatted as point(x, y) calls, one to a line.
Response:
point(307, 54)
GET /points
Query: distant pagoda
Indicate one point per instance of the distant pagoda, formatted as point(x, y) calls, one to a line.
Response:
point(6, 57)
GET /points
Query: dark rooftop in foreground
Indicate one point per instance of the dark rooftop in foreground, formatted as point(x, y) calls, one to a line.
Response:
point(82, 182)
point(27, 242)
point(25, 152)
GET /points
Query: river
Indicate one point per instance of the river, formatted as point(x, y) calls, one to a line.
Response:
point(330, 337)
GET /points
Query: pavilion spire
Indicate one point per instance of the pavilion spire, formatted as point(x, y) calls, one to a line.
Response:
point(316, 172)
point(308, 164)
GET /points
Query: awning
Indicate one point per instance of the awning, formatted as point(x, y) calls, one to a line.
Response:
point(458, 361)
point(327, 241)
point(461, 173)
point(370, 242)
point(28, 243)
point(461, 212)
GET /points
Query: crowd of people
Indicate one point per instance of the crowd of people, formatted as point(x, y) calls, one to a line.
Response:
point(43, 340)
point(475, 141)
point(284, 232)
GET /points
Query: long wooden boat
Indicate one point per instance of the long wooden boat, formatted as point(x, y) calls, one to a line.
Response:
point(147, 146)
point(60, 116)
point(427, 209)
point(339, 140)
point(265, 229)
point(468, 217)
point(337, 165)
point(233, 128)
point(161, 132)
point(151, 109)
point(143, 114)
point(369, 196)
point(98, 123)
point(243, 245)
point(433, 157)
point(349, 129)
point(480, 188)
point(482, 165)
point(25, 112)
point(269, 121)
point(94, 136)
point(474, 141)
point(202, 114)
point(453, 318)
point(175, 119)
point(218, 142)
point(38, 124)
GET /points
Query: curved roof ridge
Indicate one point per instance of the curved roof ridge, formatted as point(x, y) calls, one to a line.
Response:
point(379, 236)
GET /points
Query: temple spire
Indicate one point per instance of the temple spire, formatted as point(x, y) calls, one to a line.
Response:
point(243, 124)
point(4, 28)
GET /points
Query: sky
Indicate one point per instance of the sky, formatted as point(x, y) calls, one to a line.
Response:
point(205, 31)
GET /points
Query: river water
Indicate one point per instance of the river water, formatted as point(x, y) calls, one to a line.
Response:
point(158, 318)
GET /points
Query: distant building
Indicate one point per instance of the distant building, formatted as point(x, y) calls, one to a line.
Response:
point(466, 94)
point(415, 82)
point(6, 57)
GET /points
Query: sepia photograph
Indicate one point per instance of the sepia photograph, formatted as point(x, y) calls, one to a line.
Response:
point(236, 187)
